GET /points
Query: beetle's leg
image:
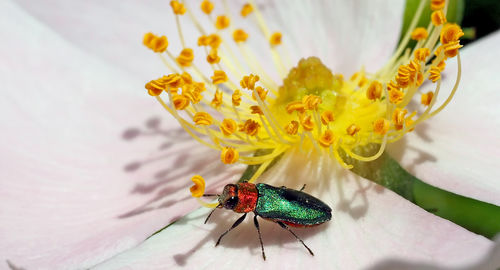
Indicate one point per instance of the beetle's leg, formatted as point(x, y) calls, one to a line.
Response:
point(238, 222)
point(303, 187)
point(256, 223)
point(288, 229)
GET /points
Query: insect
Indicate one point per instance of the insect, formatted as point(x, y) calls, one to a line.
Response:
point(285, 206)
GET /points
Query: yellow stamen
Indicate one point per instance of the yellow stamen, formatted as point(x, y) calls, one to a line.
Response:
point(185, 58)
point(202, 118)
point(229, 155)
point(327, 117)
point(228, 126)
point(219, 77)
point(207, 7)
point(307, 123)
point(213, 57)
point(246, 9)
point(422, 54)
point(381, 126)
point(435, 74)
point(217, 100)
point(256, 110)
point(180, 101)
point(292, 127)
point(222, 22)
point(249, 81)
point(198, 189)
point(427, 98)
point(236, 98)
point(419, 33)
point(250, 127)
point(275, 39)
point(178, 8)
point(239, 35)
point(374, 91)
point(438, 18)
point(327, 138)
point(352, 129)
point(450, 33)
point(437, 4)
point(398, 118)
point(261, 92)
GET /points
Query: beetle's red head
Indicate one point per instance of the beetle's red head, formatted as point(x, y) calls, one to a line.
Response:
point(229, 197)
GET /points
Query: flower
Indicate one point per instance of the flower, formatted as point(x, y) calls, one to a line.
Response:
point(65, 194)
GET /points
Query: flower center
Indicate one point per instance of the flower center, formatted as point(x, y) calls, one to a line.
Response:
point(250, 119)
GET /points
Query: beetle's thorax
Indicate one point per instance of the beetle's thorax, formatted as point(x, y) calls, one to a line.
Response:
point(247, 198)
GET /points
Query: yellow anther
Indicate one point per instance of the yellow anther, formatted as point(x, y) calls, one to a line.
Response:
point(451, 49)
point(434, 74)
point(193, 92)
point(295, 106)
point(236, 97)
point(155, 43)
point(186, 57)
point(427, 98)
point(396, 96)
point(403, 77)
point(222, 22)
point(381, 126)
point(229, 155)
point(441, 65)
point(154, 88)
point(307, 123)
point(422, 54)
point(409, 122)
point(219, 77)
point(352, 129)
point(414, 68)
point(228, 127)
point(327, 138)
point(359, 75)
point(392, 86)
point(374, 91)
point(202, 118)
point(275, 39)
point(173, 80)
point(292, 127)
point(420, 79)
point(438, 18)
point(419, 33)
point(217, 100)
point(398, 118)
point(180, 101)
point(246, 9)
point(437, 4)
point(214, 41)
point(203, 41)
point(311, 102)
point(148, 37)
point(327, 117)
point(239, 35)
point(250, 127)
point(213, 57)
point(207, 6)
point(261, 92)
point(198, 189)
point(256, 110)
point(249, 81)
point(177, 8)
point(450, 33)
point(186, 78)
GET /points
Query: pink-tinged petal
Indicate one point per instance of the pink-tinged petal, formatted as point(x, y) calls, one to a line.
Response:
point(459, 149)
point(488, 262)
point(88, 166)
point(370, 224)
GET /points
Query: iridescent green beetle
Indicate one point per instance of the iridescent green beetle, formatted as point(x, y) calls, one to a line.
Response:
point(287, 207)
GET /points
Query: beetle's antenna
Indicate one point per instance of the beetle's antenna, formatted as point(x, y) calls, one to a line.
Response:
point(210, 195)
point(211, 212)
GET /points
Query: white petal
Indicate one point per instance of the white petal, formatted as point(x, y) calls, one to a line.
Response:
point(346, 35)
point(369, 224)
point(458, 150)
point(86, 169)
